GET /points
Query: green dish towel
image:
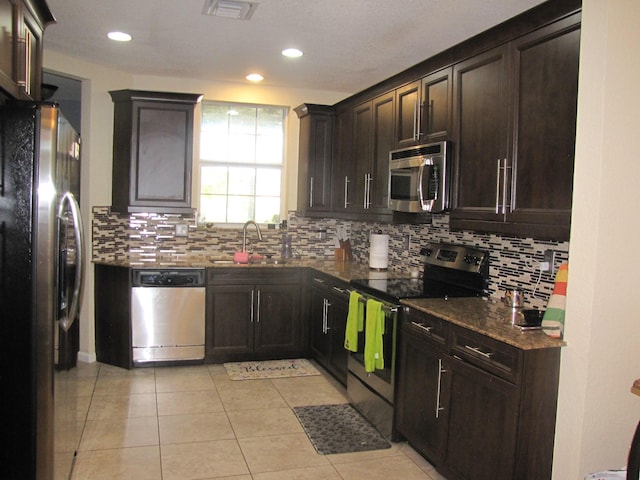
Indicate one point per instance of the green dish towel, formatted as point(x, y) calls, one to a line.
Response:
point(373, 354)
point(355, 322)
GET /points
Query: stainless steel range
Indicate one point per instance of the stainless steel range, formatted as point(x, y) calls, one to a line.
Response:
point(449, 271)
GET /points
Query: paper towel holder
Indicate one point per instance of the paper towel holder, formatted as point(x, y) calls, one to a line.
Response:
point(378, 251)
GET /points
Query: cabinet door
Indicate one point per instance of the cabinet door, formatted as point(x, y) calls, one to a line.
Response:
point(383, 133)
point(315, 151)
point(546, 68)
point(418, 415)
point(482, 412)
point(436, 106)
point(480, 108)
point(343, 180)
point(152, 151)
point(30, 61)
point(230, 320)
point(362, 154)
point(337, 311)
point(8, 20)
point(408, 113)
point(320, 341)
point(277, 320)
point(163, 155)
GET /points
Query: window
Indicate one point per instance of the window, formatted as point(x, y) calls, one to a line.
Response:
point(241, 160)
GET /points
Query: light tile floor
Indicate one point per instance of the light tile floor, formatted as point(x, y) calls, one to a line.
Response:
point(194, 423)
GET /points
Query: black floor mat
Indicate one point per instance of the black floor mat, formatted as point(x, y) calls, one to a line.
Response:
point(339, 429)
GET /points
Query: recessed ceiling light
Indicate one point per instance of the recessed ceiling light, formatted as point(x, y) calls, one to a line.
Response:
point(292, 52)
point(254, 77)
point(119, 36)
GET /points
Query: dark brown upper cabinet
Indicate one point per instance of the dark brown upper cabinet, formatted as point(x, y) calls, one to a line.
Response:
point(514, 135)
point(373, 139)
point(22, 23)
point(423, 110)
point(408, 114)
point(152, 151)
point(314, 158)
point(435, 118)
point(343, 166)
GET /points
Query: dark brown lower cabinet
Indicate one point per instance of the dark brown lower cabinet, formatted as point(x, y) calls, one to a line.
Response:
point(418, 415)
point(113, 315)
point(477, 408)
point(482, 412)
point(253, 314)
point(328, 309)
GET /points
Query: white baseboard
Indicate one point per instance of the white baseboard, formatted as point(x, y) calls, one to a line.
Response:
point(86, 357)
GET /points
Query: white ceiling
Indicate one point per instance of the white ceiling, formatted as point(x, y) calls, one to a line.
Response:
point(348, 45)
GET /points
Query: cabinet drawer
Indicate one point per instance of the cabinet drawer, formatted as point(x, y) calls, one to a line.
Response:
point(252, 275)
point(329, 284)
point(424, 325)
point(491, 355)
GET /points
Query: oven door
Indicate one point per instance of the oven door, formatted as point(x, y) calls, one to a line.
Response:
point(380, 381)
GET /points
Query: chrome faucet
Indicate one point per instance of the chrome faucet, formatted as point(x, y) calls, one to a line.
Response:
point(244, 233)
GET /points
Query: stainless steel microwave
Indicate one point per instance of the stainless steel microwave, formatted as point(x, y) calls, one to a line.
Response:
point(419, 178)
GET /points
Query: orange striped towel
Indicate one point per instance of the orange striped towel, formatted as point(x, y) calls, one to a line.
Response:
point(553, 320)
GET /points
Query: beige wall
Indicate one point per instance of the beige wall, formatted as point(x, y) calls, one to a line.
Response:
point(596, 412)
point(97, 134)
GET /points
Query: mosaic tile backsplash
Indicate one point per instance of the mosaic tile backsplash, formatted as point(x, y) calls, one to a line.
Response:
point(152, 237)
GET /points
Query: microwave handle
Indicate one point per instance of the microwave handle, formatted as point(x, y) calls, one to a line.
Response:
point(420, 175)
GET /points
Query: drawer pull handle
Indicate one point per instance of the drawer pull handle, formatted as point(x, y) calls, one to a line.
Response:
point(422, 326)
point(479, 352)
point(341, 290)
point(319, 280)
point(440, 372)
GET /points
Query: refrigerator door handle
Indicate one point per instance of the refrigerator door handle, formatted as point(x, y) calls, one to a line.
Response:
point(67, 320)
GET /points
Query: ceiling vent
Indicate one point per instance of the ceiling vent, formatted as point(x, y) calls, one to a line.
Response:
point(229, 9)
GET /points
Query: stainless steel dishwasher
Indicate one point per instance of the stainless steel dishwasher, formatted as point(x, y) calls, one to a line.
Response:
point(167, 315)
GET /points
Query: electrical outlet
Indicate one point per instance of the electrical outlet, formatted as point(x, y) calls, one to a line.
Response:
point(182, 230)
point(407, 241)
point(549, 261)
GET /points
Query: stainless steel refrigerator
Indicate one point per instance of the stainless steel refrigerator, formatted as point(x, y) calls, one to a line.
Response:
point(41, 261)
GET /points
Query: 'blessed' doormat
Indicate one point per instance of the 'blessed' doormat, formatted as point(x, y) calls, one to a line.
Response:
point(299, 367)
point(339, 429)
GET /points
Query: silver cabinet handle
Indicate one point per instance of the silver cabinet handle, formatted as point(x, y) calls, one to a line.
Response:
point(319, 280)
point(478, 351)
point(498, 186)
point(440, 372)
point(258, 308)
point(422, 326)
point(340, 290)
point(326, 316)
point(311, 192)
point(346, 191)
point(416, 119)
point(367, 190)
point(252, 305)
point(504, 186)
point(366, 176)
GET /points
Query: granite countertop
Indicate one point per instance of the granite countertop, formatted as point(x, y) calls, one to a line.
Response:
point(345, 271)
point(486, 316)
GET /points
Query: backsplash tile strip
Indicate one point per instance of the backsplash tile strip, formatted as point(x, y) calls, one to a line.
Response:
point(151, 237)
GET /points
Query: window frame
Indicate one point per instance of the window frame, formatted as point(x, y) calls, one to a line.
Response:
point(201, 162)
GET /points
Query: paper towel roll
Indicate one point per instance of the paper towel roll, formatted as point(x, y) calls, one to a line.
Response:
point(378, 251)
